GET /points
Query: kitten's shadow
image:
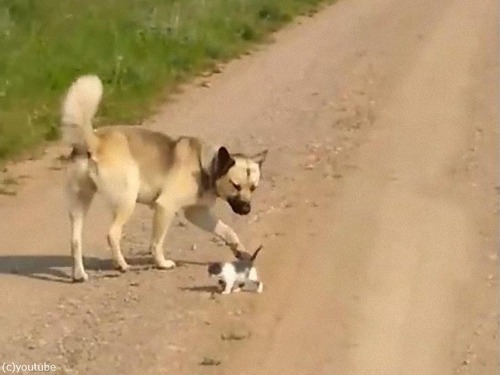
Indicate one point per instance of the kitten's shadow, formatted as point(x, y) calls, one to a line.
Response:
point(185, 263)
point(202, 289)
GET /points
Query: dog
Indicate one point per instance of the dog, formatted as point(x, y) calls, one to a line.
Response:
point(240, 273)
point(130, 165)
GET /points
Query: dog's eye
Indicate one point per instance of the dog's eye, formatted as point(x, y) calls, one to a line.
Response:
point(252, 188)
point(236, 186)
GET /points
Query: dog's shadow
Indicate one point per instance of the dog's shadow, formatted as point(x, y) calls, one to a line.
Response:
point(185, 263)
point(57, 268)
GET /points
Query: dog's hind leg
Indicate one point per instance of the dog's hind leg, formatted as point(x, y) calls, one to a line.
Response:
point(80, 194)
point(161, 222)
point(121, 214)
point(119, 183)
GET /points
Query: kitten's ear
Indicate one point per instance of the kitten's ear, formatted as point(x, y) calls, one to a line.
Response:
point(214, 268)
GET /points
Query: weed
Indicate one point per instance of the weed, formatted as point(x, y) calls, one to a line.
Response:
point(140, 49)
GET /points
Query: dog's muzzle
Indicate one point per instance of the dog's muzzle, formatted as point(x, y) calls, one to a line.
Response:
point(239, 206)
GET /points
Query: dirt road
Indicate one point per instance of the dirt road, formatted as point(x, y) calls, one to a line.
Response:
point(377, 211)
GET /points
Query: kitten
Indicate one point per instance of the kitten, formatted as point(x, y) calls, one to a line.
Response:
point(238, 273)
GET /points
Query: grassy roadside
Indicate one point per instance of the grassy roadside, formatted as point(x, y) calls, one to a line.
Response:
point(137, 47)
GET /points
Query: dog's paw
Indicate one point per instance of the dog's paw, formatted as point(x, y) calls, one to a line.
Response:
point(79, 276)
point(123, 267)
point(165, 264)
point(242, 255)
point(226, 292)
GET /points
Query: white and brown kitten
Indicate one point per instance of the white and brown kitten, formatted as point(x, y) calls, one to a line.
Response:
point(236, 275)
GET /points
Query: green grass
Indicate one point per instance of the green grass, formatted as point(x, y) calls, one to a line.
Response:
point(141, 49)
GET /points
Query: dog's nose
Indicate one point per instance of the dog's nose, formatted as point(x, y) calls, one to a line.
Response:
point(239, 206)
point(245, 208)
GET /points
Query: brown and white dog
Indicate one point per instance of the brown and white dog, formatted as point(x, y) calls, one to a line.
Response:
point(130, 165)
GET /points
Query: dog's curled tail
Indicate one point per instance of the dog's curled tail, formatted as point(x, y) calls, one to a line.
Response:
point(78, 110)
point(254, 255)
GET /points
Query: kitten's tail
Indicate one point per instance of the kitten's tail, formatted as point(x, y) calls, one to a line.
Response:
point(254, 255)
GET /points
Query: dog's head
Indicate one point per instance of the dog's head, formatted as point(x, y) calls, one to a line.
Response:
point(236, 178)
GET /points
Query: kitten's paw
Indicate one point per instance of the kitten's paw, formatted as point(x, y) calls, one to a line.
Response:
point(260, 288)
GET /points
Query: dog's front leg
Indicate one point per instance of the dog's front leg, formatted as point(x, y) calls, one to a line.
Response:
point(203, 218)
point(230, 238)
point(162, 219)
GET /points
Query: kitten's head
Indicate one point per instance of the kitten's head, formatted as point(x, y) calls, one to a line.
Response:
point(214, 269)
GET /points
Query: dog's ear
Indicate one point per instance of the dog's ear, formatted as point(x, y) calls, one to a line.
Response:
point(223, 162)
point(260, 157)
